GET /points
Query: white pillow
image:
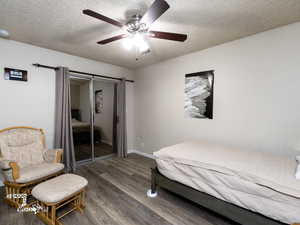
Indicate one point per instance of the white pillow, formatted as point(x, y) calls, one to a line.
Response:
point(74, 120)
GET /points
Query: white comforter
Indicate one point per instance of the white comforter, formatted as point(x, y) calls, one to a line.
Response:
point(76, 123)
point(257, 181)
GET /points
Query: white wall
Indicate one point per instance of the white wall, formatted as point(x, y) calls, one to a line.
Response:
point(256, 95)
point(104, 120)
point(32, 103)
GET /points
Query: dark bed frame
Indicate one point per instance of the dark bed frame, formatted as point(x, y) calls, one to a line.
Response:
point(228, 210)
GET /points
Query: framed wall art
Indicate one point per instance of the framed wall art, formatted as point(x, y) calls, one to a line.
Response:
point(99, 101)
point(199, 88)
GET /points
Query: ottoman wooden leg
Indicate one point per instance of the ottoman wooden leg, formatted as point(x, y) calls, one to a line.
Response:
point(53, 214)
point(82, 201)
point(48, 214)
point(79, 203)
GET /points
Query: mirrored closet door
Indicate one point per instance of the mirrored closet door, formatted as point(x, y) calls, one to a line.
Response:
point(104, 114)
point(81, 112)
point(93, 117)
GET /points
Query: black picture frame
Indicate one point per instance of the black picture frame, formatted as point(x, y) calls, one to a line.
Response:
point(15, 74)
point(199, 95)
point(98, 101)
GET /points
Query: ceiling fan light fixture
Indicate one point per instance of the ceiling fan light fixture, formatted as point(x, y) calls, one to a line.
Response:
point(136, 40)
point(140, 42)
point(144, 47)
point(128, 43)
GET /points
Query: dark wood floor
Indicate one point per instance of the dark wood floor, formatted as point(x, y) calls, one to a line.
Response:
point(84, 151)
point(117, 196)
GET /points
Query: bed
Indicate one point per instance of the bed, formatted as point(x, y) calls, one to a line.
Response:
point(247, 187)
point(82, 130)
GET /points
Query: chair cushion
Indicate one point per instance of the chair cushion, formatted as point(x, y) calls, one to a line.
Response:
point(37, 171)
point(59, 188)
point(25, 155)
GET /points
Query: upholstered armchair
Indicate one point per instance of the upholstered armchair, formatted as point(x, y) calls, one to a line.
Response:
point(25, 161)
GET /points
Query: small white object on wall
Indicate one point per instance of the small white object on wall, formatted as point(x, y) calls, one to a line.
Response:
point(4, 33)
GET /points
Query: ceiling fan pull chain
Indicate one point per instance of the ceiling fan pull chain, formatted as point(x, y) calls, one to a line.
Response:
point(136, 53)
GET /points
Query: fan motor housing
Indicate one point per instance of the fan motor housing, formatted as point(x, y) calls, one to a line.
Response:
point(134, 25)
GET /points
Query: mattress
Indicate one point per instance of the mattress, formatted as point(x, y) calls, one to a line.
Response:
point(246, 179)
point(76, 123)
point(80, 127)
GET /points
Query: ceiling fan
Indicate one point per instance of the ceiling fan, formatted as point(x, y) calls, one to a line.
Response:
point(138, 26)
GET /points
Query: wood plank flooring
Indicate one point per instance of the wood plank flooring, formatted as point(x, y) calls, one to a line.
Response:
point(117, 196)
point(84, 151)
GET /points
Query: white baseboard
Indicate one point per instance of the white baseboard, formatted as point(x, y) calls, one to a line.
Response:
point(148, 155)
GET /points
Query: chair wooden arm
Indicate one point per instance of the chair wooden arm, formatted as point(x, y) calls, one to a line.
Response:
point(15, 170)
point(58, 155)
point(10, 170)
point(53, 155)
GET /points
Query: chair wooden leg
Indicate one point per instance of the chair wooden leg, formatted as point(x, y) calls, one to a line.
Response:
point(9, 197)
point(58, 223)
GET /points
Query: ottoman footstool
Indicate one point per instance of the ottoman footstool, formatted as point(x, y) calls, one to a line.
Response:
point(67, 189)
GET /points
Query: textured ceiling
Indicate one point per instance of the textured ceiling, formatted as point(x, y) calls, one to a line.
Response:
point(60, 25)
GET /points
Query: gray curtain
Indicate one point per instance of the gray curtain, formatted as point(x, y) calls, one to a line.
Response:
point(115, 120)
point(121, 130)
point(63, 136)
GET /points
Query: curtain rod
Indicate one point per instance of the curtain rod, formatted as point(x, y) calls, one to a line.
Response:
point(79, 72)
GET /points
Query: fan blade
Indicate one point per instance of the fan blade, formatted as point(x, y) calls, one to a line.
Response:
point(101, 17)
point(158, 8)
point(168, 36)
point(115, 38)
